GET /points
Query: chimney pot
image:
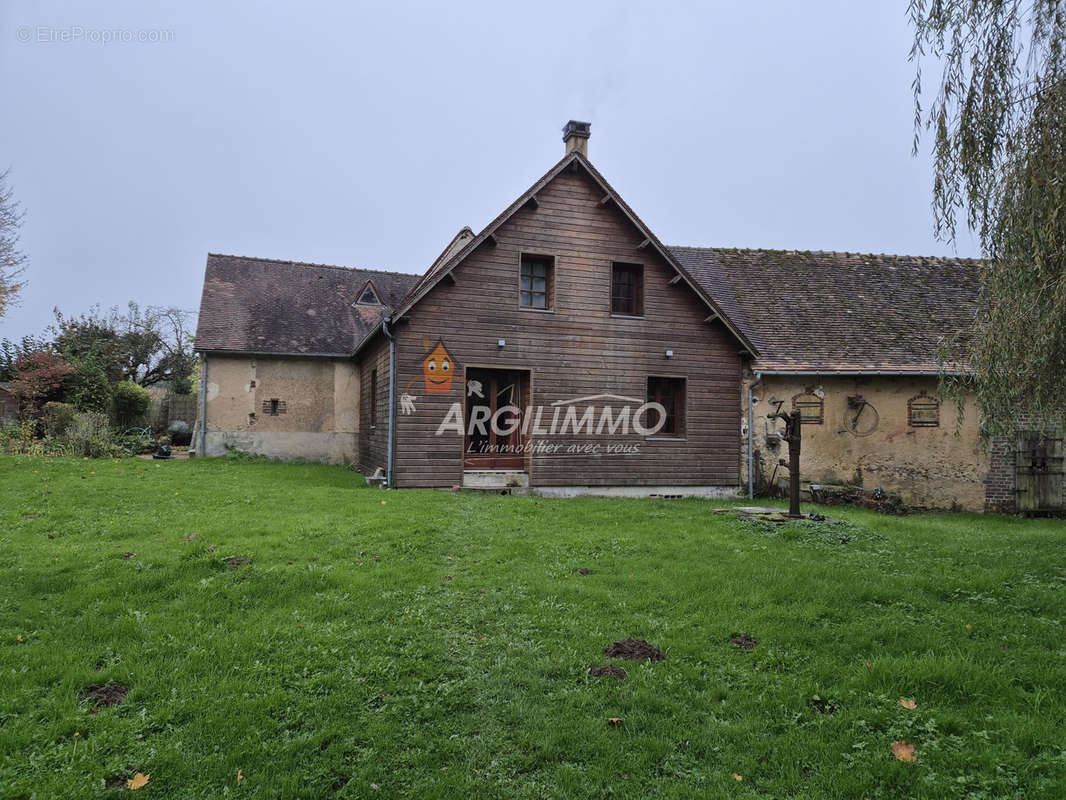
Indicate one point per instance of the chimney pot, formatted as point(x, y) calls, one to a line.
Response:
point(576, 136)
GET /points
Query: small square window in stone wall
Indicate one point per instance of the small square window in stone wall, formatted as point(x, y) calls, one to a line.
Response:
point(810, 406)
point(274, 407)
point(923, 411)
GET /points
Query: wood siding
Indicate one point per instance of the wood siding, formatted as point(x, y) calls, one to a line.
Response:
point(578, 349)
point(373, 442)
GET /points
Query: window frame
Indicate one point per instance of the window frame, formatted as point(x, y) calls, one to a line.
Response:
point(638, 291)
point(801, 405)
point(374, 398)
point(525, 258)
point(680, 410)
point(925, 402)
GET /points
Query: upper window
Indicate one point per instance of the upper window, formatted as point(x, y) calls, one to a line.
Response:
point(627, 289)
point(811, 407)
point(369, 296)
point(670, 394)
point(923, 411)
point(537, 282)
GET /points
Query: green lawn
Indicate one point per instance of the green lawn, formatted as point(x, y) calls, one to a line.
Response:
point(436, 644)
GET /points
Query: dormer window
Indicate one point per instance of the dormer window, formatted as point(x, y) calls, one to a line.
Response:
point(369, 296)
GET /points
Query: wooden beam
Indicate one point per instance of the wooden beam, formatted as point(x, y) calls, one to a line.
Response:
point(606, 199)
point(644, 244)
point(491, 240)
point(711, 318)
point(674, 279)
point(533, 202)
point(450, 277)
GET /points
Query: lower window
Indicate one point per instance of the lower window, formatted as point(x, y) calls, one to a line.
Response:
point(670, 394)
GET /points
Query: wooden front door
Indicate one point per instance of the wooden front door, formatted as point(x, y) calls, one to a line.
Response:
point(1040, 472)
point(494, 403)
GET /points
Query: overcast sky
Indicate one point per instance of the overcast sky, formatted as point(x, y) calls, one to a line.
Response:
point(367, 134)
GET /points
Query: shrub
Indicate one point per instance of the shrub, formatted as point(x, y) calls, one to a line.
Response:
point(131, 403)
point(56, 419)
point(89, 389)
point(180, 433)
point(90, 436)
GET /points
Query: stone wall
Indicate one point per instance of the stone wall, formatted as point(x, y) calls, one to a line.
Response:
point(941, 466)
point(287, 408)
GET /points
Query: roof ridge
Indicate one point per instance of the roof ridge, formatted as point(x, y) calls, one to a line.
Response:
point(824, 253)
point(313, 264)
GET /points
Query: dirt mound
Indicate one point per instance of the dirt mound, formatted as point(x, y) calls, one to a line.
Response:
point(608, 672)
point(109, 694)
point(634, 650)
point(744, 642)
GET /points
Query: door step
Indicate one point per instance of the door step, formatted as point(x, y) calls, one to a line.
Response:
point(502, 481)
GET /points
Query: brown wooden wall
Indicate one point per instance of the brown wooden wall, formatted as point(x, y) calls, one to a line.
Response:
point(373, 438)
point(578, 350)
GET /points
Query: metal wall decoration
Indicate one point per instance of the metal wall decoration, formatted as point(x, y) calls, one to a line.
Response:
point(810, 406)
point(923, 411)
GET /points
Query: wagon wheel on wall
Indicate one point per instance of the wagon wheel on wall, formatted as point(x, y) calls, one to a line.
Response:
point(861, 417)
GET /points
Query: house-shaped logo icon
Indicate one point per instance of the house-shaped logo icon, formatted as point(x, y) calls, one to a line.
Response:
point(438, 368)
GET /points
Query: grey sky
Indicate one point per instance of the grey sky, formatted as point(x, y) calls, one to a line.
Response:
point(367, 134)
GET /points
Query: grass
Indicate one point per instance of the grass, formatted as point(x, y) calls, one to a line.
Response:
point(436, 644)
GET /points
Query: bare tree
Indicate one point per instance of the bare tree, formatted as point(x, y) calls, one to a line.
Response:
point(12, 260)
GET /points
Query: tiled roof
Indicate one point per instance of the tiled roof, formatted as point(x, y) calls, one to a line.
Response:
point(807, 310)
point(259, 305)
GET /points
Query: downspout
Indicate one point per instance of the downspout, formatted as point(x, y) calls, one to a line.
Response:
point(203, 407)
point(391, 443)
point(751, 433)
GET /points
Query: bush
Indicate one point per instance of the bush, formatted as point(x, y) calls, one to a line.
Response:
point(90, 436)
point(180, 433)
point(131, 403)
point(89, 390)
point(56, 419)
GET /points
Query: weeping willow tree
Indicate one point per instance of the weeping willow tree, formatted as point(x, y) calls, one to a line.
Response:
point(998, 121)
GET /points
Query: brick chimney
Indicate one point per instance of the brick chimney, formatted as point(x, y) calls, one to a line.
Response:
point(576, 136)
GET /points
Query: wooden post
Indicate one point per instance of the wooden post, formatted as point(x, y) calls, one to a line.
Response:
point(794, 435)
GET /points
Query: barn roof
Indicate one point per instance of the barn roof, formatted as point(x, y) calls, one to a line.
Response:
point(271, 307)
point(826, 311)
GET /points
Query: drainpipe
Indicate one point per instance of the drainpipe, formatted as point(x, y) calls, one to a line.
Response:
point(392, 403)
point(203, 408)
point(751, 433)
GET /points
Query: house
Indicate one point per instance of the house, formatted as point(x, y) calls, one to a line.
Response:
point(566, 350)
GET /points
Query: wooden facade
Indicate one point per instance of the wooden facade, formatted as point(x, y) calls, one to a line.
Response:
point(575, 349)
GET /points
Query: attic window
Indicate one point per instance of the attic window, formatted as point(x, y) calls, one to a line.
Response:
point(369, 296)
point(810, 406)
point(274, 407)
point(923, 411)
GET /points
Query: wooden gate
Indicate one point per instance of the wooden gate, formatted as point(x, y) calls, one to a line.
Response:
point(1039, 469)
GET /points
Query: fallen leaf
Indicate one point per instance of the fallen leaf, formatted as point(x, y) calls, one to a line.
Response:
point(969, 627)
point(909, 704)
point(903, 751)
point(869, 665)
point(614, 721)
point(138, 781)
point(382, 502)
point(191, 537)
point(18, 638)
point(737, 776)
point(129, 555)
point(240, 777)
